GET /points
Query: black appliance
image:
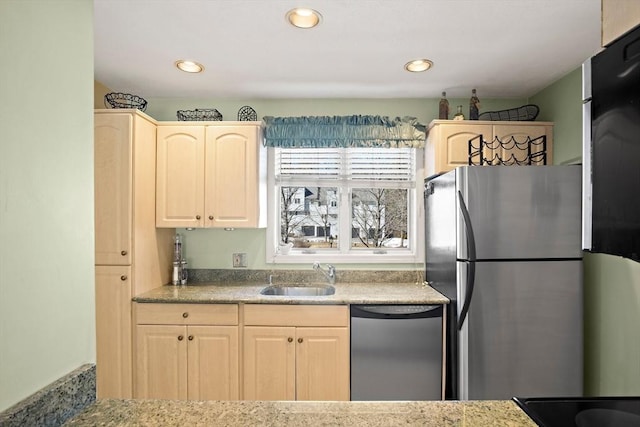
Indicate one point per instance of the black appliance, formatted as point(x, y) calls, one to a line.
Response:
point(582, 412)
point(611, 149)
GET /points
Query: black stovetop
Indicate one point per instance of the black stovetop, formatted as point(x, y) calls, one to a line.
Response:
point(582, 411)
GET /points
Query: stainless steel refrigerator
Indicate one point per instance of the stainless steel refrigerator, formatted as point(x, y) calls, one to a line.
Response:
point(503, 243)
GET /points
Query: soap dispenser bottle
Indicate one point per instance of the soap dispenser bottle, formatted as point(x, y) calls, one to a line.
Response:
point(177, 248)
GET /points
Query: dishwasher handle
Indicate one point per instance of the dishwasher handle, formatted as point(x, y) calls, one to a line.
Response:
point(396, 311)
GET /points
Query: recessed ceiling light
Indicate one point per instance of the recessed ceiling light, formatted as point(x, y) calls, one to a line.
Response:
point(303, 17)
point(418, 65)
point(189, 66)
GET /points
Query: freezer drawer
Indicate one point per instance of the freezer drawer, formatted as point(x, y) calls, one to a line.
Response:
point(396, 352)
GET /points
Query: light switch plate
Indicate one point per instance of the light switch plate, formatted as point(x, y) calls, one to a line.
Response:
point(239, 260)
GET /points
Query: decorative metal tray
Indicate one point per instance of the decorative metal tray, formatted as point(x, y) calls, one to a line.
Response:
point(124, 100)
point(525, 113)
point(199, 115)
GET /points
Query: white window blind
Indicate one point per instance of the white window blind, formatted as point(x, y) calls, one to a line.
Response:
point(394, 167)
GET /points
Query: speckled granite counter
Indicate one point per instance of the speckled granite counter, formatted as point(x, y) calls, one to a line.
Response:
point(252, 413)
point(346, 293)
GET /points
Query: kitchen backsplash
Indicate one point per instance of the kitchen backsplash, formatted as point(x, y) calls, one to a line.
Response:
point(289, 276)
point(55, 403)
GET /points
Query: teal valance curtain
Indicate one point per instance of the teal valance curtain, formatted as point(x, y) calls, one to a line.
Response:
point(344, 132)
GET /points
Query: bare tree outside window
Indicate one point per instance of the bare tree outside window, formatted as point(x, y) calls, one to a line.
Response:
point(290, 218)
point(380, 215)
point(325, 214)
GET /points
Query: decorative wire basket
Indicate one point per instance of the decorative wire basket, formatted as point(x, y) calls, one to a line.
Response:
point(525, 113)
point(124, 100)
point(199, 115)
point(247, 114)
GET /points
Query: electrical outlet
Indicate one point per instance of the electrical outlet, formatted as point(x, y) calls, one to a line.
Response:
point(239, 260)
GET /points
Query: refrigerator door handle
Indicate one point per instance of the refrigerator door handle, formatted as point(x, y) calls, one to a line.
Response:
point(471, 270)
point(471, 277)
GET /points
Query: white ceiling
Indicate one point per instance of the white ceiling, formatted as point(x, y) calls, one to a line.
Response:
point(504, 48)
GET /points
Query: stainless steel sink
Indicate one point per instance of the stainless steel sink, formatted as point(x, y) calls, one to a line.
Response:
point(299, 290)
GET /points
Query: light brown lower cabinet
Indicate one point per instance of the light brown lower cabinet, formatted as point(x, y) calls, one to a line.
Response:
point(187, 351)
point(296, 352)
point(113, 327)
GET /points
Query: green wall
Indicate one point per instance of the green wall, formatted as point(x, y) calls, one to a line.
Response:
point(561, 103)
point(424, 109)
point(213, 248)
point(612, 343)
point(611, 284)
point(47, 326)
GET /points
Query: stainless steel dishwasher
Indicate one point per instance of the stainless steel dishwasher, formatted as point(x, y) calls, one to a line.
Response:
point(396, 352)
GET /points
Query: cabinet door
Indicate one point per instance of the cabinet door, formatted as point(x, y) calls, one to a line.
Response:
point(161, 362)
point(213, 363)
point(113, 332)
point(112, 188)
point(180, 176)
point(451, 144)
point(514, 142)
point(618, 17)
point(269, 363)
point(322, 364)
point(231, 176)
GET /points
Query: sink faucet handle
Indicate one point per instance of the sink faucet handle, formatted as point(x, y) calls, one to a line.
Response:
point(331, 275)
point(332, 270)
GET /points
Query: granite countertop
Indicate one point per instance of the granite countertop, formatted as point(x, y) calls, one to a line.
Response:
point(249, 292)
point(279, 413)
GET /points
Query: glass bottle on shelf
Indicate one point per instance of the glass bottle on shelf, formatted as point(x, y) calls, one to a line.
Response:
point(474, 106)
point(177, 248)
point(459, 115)
point(443, 110)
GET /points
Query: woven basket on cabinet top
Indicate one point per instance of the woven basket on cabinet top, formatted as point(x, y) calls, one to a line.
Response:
point(124, 100)
point(199, 115)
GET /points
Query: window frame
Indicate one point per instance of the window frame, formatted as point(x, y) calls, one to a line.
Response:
point(415, 226)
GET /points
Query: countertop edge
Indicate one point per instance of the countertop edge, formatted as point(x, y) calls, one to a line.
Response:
point(249, 293)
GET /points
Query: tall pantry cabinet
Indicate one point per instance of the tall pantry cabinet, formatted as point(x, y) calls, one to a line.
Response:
point(131, 255)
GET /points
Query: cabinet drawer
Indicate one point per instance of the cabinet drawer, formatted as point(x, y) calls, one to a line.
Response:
point(296, 315)
point(186, 314)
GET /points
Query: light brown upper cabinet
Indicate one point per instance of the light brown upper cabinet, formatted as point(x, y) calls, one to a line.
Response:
point(208, 175)
point(618, 17)
point(447, 144)
point(113, 185)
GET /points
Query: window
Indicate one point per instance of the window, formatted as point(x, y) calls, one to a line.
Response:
point(344, 204)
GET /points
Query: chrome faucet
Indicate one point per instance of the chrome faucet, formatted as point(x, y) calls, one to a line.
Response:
point(330, 274)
